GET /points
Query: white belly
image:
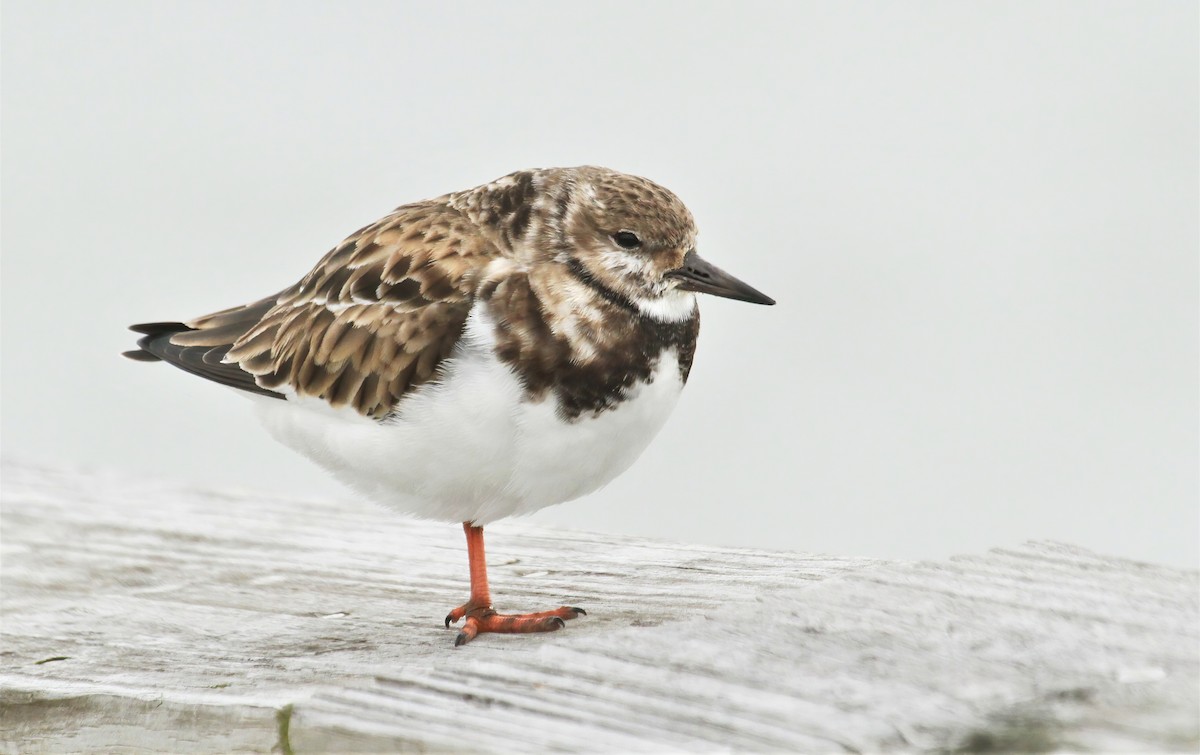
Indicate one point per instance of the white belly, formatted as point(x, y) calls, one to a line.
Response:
point(469, 447)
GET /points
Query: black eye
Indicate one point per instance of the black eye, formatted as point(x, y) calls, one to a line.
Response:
point(627, 239)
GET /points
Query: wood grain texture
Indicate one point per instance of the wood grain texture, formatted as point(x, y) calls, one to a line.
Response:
point(199, 621)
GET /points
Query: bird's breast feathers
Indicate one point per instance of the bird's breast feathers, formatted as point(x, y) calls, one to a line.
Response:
point(475, 444)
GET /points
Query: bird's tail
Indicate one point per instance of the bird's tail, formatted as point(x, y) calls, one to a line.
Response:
point(155, 341)
point(199, 346)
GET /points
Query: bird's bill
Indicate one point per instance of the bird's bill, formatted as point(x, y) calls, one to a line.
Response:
point(706, 278)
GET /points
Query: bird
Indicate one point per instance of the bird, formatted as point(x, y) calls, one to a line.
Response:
point(480, 355)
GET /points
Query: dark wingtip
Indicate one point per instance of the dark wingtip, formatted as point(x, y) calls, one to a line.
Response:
point(154, 328)
point(140, 356)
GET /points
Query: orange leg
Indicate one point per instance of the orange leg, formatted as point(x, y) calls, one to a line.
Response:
point(478, 612)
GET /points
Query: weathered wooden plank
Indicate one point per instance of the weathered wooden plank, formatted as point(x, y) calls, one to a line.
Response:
point(196, 621)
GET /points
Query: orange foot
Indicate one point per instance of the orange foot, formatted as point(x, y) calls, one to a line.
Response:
point(478, 612)
point(480, 619)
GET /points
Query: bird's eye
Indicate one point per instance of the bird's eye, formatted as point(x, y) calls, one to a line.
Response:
point(627, 239)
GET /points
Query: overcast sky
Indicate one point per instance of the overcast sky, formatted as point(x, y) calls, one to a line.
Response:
point(979, 219)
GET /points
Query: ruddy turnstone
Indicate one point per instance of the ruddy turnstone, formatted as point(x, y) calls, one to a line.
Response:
point(475, 356)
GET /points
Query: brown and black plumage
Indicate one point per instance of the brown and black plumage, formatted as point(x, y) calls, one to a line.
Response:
point(478, 355)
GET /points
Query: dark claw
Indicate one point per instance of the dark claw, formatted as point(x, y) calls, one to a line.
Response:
point(557, 622)
point(578, 611)
point(448, 619)
point(461, 639)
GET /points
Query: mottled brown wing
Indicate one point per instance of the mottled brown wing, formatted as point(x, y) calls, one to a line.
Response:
point(373, 320)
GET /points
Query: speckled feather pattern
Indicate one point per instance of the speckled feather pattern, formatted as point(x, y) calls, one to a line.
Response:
point(381, 311)
point(483, 354)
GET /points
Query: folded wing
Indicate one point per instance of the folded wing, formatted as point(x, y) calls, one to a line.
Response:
point(372, 321)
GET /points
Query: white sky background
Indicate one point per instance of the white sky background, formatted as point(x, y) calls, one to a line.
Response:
point(980, 221)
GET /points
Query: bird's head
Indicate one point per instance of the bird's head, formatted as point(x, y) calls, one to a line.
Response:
point(620, 234)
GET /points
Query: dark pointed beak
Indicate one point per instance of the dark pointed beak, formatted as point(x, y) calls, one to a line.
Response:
point(706, 278)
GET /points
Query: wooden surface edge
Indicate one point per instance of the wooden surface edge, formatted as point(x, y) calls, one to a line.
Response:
point(201, 621)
